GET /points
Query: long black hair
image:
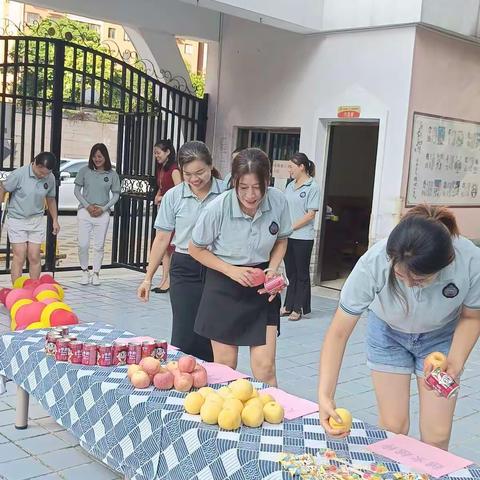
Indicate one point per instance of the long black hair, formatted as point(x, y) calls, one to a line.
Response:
point(301, 159)
point(165, 145)
point(421, 243)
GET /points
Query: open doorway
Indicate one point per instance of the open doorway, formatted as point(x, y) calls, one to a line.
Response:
point(348, 199)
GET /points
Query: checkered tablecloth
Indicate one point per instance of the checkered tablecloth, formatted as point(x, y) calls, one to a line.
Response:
point(145, 434)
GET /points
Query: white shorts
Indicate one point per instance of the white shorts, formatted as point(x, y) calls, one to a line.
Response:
point(22, 230)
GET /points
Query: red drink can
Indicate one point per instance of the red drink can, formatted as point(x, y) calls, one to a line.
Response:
point(89, 354)
point(119, 353)
point(443, 383)
point(62, 350)
point(275, 284)
point(63, 331)
point(51, 342)
point(76, 352)
point(148, 348)
point(134, 353)
point(160, 352)
point(104, 355)
point(71, 337)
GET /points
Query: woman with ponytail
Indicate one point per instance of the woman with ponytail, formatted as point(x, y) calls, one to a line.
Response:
point(303, 197)
point(421, 289)
point(167, 176)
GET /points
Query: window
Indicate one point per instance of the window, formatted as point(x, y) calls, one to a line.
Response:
point(111, 33)
point(32, 18)
point(94, 27)
point(188, 49)
point(125, 37)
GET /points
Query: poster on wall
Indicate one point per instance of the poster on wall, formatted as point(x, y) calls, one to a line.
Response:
point(444, 162)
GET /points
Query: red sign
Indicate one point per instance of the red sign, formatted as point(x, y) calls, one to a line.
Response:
point(348, 112)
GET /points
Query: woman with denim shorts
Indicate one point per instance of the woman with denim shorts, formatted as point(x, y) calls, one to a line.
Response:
point(421, 288)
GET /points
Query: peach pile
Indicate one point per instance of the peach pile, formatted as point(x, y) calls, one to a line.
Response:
point(181, 375)
point(232, 405)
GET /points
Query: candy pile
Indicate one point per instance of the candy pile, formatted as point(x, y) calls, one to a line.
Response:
point(65, 347)
point(331, 467)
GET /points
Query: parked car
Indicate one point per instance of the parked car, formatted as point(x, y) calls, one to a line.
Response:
point(69, 168)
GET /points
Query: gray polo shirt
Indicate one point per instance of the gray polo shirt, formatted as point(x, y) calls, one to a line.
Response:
point(237, 238)
point(97, 185)
point(179, 210)
point(301, 200)
point(28, 192)
point(430, 307)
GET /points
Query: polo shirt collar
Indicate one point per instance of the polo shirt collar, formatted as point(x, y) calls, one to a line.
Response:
point(214, 188)
point(31, 172)
point(306, 184)
point(237, 212)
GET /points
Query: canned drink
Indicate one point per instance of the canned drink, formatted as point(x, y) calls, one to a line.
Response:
point(50, 343)
point(71, 337)
point(62, 350)
point(104, 355)
point(160, 352)
point(134, 353)
point(76, 352)
point(63, 331)
point(119, 353)
point(148, 348)
point(89, 354)
point(443, 383)
point(275, 284)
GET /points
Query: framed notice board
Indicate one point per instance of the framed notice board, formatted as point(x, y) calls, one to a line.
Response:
point(444, 162)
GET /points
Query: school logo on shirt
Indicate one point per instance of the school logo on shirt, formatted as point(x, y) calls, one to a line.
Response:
point(105, 179)
point(303, 194)
point(450, 291)
point(273, 228)
point(45, 186)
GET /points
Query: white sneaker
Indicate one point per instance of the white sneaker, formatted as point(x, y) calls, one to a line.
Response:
point(85, 280)
point(95, 279)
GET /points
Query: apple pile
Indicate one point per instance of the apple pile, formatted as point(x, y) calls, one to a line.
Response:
point(232, 405)
point(181, 375)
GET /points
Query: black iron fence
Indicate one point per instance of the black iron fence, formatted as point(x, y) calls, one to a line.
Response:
point(43, 78)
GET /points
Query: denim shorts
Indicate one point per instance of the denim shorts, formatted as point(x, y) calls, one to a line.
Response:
point(392, 351)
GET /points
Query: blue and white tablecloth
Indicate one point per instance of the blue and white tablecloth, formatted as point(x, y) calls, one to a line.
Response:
point(145, 434)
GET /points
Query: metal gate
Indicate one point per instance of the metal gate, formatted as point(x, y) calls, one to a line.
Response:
point(43, 79)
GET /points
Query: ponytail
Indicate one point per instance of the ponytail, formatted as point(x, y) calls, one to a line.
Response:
point(301, 159)
point(438, 214)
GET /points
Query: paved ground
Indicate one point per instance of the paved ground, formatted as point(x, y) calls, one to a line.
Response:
point(47, 451)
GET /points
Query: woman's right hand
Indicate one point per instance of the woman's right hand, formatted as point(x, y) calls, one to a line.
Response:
point(241, 275)
point(326, 410)
point(143, 291)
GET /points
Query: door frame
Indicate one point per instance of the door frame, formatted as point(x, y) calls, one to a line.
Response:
point(322, 149)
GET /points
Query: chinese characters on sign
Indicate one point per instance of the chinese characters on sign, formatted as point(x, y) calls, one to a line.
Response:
point(444, 162)
point(347, 111)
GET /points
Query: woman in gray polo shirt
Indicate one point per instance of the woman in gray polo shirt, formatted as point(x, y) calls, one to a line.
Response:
point(303, 197)
point(421, 288)
point(30, 187)
point(179, 211)
point(97, 188)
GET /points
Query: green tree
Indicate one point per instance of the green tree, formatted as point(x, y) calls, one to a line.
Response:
point(198, 83)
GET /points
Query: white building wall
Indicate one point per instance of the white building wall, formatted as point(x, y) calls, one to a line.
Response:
point(272, 78)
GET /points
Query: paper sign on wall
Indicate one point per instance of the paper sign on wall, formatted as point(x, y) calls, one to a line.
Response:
point(348, 111)
point(421, 457)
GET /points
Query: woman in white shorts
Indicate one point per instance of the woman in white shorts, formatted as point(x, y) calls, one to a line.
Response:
point(97, 188)
point(30, 187)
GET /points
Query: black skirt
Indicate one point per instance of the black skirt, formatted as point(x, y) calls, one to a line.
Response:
point(234, 315)
point(186, 287)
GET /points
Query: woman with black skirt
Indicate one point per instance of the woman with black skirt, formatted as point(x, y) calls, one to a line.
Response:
point(245, 227)
point(179, 211)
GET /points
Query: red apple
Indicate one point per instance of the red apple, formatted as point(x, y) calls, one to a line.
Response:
point(187, 364)
point(140, 379)
point(183, 382)
point(163, 380)
point(150, 365)
point(133, 369)
point(172, 365)
point(199, 377)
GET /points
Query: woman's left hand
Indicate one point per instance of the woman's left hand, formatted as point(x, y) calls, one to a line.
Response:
point(453, 369)
point(56, 227)
point(269, 275)
point(97, 211)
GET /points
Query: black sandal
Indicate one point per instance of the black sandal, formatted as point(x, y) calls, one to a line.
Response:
point(160, 290)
